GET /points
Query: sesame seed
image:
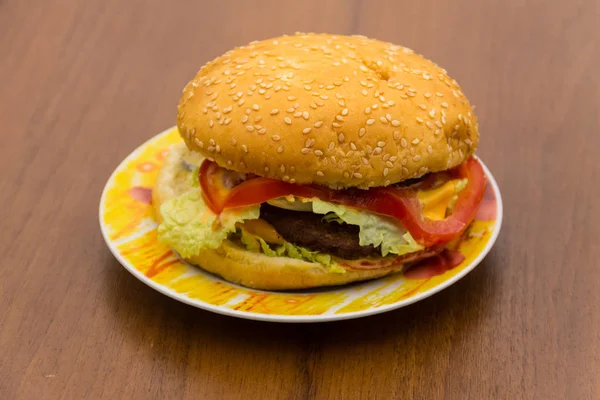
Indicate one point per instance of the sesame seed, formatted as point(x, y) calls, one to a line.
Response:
point(320, 173)
point(403, 143)
point(396, 135)
point(385, 172)
point(365, 161)
point(318, 124)
point(307, 87)
point(276, 138)
point(305, 115)
point(211, 142)
point(291, 110)
point(341, 138)
point(258, 118)
point(318, 153)
point(438, 94)
point(242, 101)
point(339, 118)
point(298, 114)
point(282, 168)
point(346, 174)
point(262, 131)
point(365, 92)
point(358, 175)
point(432, 113)
point(429, 149)
point(280, 149)
point(427, 95)
point(233, 141)
point(377, 150)
point(331, 146)
point(415, 141)
point(266, 169)
point(419, 120)
point(198, 142)
point(438, 131)
point(352, 146)
point(286, 178)
point(410, 94)
point(416, 158)
point(227, 121)
point(370, 121)
point(274, 111)
point(248, 111)
point(218, 148)
point(429, 125)
point(422, 106)
point(389, 164)
point(438, 124)
point(305, 150)
point(244, 148)
point(345, 112)
point(386, 183)
point(445, 105)
point(426, 76)
point(469, 142)
point(291, 98)
point(324, 97)
point(288, 120)
point(313, 106)
point(211, 123)
point(336, 125)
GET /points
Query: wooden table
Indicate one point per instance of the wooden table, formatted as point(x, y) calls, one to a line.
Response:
point(85, 82)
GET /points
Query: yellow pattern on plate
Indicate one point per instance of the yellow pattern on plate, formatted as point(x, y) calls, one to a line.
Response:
point(129, 227)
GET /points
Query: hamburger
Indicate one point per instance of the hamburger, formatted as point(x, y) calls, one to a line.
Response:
point(313, 160)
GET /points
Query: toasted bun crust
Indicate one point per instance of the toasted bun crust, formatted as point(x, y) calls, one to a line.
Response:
point(241, 266)
point(334, 110)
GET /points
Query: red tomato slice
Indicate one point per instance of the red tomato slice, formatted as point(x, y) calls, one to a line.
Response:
point(401, 204)
point(214, 191)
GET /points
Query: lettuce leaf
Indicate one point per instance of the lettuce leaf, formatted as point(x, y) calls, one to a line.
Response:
point(288, 250)
point(374, 229)
point(188, 223)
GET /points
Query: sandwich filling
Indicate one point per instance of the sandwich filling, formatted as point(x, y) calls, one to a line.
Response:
point(340, 229)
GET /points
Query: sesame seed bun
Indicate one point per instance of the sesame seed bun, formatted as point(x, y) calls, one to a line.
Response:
point(341, 111)
point(236, 264)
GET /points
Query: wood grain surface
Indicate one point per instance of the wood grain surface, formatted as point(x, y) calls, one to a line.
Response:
point(85, 82)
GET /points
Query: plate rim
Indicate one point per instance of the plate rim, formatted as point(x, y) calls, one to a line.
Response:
point(291, 318)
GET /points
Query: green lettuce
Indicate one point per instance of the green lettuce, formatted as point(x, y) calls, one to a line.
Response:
point(288, 250)
point(374, 229)
point(188, 223)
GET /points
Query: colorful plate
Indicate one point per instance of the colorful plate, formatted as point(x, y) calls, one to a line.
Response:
point(129, 228)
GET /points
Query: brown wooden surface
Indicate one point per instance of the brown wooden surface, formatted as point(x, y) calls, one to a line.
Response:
point(85, 82)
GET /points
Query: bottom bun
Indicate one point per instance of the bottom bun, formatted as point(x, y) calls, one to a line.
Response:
point(238, 265)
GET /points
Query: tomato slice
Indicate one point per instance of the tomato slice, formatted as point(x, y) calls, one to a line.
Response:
point(259, 190)
point(401, 204)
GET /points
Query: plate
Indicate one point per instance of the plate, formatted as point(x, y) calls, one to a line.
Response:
point(129, 227)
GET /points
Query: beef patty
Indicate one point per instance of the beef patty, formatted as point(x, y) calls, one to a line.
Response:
point(308, 230)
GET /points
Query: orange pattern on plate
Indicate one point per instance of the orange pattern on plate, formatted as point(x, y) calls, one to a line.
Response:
point(131, 227)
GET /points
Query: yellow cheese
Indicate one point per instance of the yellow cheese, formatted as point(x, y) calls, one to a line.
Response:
point(436, 201)
point(262, 229)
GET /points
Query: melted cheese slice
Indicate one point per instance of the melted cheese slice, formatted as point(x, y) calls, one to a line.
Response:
point(437, 201)
point(262, 229)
